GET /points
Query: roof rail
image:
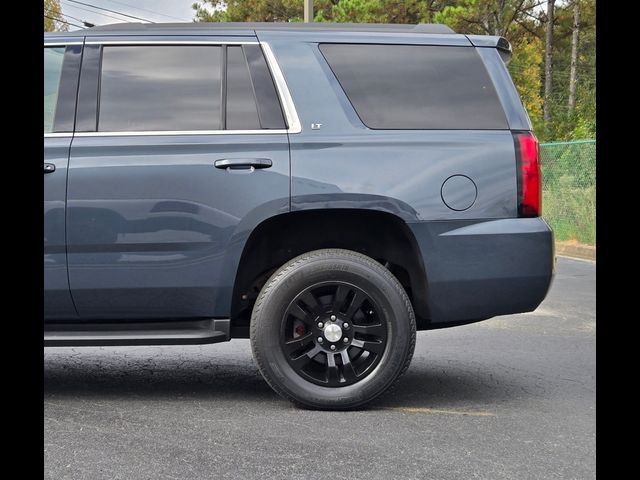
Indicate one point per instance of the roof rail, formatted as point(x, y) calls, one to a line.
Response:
point(346, 27)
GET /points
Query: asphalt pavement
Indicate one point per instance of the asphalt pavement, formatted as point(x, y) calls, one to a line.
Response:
point(508, 398)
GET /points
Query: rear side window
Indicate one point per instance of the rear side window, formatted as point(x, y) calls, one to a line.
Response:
point(242, 111)
point(416, 86)
point(269, 109)
point(144, 88)
point(53, 58)
point(178, 88)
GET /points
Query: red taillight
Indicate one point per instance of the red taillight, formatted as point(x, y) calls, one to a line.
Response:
point(529, 177)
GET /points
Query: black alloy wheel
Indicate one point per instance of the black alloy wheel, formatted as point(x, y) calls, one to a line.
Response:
point(333, 334)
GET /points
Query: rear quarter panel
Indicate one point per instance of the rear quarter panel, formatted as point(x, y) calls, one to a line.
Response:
point(343, 164)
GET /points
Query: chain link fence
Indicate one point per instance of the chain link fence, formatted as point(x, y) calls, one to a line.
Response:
point(569, 189)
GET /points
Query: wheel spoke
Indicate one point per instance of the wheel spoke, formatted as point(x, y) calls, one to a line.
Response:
point(356, 302)
point(332, 369)
point(348, 372)
point(299, 313)
point(338, 300)
point(297, 343)
point(310, 301)
point(373, 347)
point(377, 329)
point(302, 360)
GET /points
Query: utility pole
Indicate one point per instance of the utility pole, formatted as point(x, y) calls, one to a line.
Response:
point(308, 11)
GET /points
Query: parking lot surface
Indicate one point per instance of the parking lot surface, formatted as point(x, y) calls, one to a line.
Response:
point(508, 398)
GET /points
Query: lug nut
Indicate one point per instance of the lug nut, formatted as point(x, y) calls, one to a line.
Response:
point(320, 324)
point(345, 340)
point(333, 318)
point(345, 325)
point(333, 347)
point(320, 340)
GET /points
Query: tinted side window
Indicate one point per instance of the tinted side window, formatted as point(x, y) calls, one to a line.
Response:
point(144, 88)
point(53, 58)
point(269, 108)
point(242, 111)
point(416, 86)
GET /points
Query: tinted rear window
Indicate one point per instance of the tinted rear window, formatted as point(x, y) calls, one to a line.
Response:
point(242, 112)
point(160, 88)
point(268, 104)
point(416, 86)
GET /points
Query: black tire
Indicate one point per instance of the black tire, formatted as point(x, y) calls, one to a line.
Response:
point(361, 370)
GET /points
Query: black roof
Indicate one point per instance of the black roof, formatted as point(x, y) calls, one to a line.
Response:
point(131, 28)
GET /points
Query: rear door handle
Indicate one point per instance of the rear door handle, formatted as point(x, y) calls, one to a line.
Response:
point(49, 167)
point(243, 163)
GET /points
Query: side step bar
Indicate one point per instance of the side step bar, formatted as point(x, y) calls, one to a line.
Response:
point(187, 332)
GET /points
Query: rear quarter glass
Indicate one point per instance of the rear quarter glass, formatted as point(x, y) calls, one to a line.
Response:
point(416, 86)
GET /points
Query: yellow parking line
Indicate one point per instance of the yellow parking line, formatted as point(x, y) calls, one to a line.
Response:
point(446, 412)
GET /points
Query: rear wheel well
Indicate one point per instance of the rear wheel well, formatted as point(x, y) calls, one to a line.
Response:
point(379, 235)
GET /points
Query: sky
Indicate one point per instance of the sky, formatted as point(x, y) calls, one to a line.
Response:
point(154, 10)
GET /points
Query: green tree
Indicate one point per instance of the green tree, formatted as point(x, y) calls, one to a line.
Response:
point(578, 123)
point(255, 10)
point(524, 67)
point(487, 17)
point(357, 11)
point(382, 11)
point(53, 13)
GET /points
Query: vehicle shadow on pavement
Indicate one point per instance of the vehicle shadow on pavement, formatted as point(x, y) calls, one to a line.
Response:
point(461, 386)
point(105, 376)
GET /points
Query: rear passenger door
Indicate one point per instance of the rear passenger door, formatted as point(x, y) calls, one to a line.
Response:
point(177, 142)
point(61, 70)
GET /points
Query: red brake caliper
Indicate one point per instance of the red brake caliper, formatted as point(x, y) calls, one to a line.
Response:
point(299, 330)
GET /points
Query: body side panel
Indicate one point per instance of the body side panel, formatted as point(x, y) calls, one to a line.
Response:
point(150, 219)
point(57, 297)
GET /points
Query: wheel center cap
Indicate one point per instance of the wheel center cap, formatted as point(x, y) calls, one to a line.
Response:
point(332, 332)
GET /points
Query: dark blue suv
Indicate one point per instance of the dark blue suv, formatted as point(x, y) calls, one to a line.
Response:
point(325, 190)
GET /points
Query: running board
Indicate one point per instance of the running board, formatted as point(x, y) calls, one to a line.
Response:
point(187, 332)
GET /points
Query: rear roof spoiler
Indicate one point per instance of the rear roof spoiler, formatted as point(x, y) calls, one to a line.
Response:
point(489, 41)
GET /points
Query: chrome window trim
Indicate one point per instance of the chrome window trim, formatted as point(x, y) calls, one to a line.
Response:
point(61, 44)
point(169, 42)
point(179, 132)
point(58, 135)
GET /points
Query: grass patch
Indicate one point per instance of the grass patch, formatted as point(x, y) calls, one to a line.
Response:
point(571, 212)
point(569, 189)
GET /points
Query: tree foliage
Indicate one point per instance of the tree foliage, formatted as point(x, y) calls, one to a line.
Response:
point(522, 22)
point(53, 11)
point(525, 68)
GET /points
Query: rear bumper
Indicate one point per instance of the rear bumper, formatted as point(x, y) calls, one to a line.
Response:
point(480, 269)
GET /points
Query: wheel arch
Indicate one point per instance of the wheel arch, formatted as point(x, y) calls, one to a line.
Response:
point(274, 241)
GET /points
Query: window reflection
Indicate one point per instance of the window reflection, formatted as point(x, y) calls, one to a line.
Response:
point(144, 88)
